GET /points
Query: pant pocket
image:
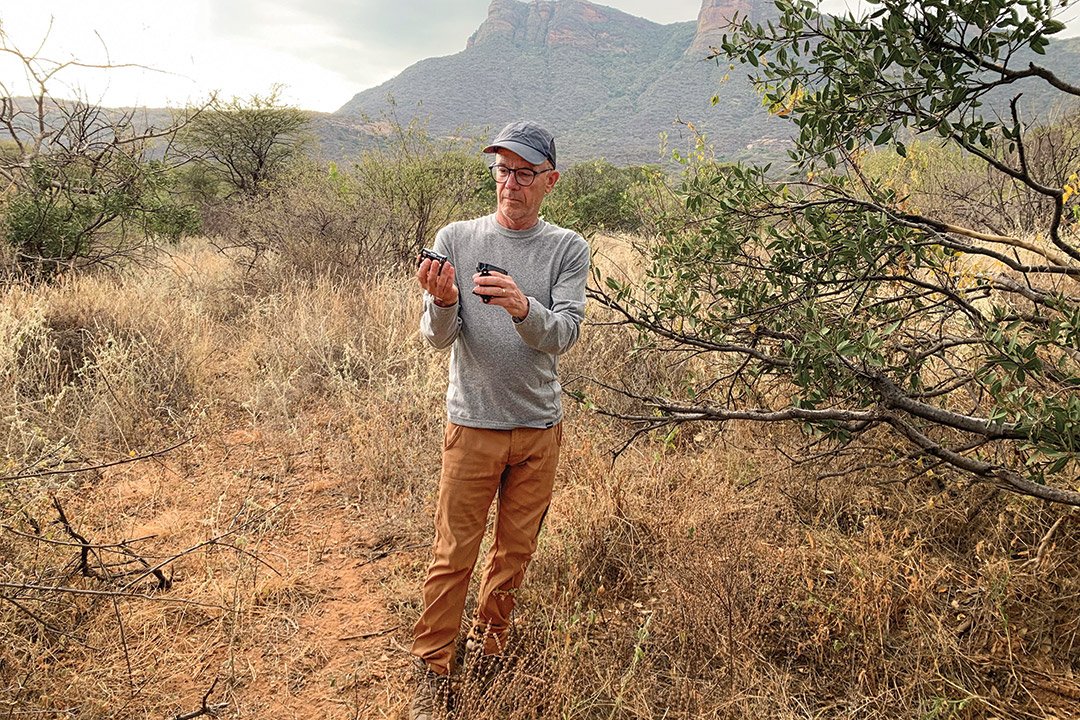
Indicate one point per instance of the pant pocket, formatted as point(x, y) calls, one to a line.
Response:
point(451, 436)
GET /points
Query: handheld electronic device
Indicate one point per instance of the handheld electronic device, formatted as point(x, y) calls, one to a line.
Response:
point(486, 269)
point(428, 254)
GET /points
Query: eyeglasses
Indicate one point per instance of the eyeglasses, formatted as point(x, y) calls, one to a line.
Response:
point(524, 176)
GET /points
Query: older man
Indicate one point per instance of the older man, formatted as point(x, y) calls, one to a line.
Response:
point(504, 401)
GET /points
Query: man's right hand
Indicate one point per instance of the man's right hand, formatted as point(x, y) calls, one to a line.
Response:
point(440, 285)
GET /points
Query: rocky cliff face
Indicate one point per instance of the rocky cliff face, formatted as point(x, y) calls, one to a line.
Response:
point(608, 84)
point(567, 23)
point(506, 19)
point(716, 15)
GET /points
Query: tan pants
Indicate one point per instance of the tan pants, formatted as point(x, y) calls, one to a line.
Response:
point(519, 467)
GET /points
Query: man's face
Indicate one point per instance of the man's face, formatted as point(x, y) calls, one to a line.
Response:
point(518, 207)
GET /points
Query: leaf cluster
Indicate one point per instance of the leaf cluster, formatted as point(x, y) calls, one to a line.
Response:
point(241, 145)
point(827, 298)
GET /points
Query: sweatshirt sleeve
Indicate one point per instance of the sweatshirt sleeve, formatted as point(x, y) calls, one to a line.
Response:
point(555, 330)
point(440, 325)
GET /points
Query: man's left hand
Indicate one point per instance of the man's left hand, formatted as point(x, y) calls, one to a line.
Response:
point(504, 292)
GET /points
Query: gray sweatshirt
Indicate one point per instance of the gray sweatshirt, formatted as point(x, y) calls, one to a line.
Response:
point(504, 374)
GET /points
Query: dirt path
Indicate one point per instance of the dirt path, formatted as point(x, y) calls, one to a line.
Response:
point(308, 632)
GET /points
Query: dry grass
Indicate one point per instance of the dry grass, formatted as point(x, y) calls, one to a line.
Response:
point(699, 576)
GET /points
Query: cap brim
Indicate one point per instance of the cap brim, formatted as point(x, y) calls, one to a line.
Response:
point(528, 154)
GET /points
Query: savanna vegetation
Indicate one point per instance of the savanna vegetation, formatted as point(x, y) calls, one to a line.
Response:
point(822, 462)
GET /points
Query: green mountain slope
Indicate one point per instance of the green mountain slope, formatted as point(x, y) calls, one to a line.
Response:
point(607, 83)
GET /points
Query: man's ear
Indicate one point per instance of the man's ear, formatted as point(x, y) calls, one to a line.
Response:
point(552, 178)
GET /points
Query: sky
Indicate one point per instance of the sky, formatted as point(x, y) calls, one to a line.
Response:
point(322, 51)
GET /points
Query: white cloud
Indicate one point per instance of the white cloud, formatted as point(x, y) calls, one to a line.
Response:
point(188, 57)
point(325, 51)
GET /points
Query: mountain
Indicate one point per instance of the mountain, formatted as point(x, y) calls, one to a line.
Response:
point(608, 84)
point(605, 82)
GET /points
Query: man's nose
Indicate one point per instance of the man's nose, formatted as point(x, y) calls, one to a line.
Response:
point(513, 179)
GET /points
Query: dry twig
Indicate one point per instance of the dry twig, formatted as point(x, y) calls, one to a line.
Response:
point(204, 709)
point(125, 461)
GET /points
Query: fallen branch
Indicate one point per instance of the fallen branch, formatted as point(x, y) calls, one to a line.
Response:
point(86, 547)
point(212, 541)
point(64, 543)
point(33, 592)
point(67, 711)
point(106, 593)
point(84, 544)
point(44, 623)
point(391, 551)
point(47, 473)
point(1045, 543)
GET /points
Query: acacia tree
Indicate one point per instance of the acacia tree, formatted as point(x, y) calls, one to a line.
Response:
point(80, 185)
point(246, 143)
point(831, 300)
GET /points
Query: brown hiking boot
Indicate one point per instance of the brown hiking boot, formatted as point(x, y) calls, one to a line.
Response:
point(432, 696)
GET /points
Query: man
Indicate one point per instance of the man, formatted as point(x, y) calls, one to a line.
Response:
point(503, 404)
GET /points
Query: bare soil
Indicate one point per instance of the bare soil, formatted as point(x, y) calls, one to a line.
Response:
point(309, 634)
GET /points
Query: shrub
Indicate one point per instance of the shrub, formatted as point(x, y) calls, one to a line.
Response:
point(830, 299)
point(371, 218)
point(596, 196)
point(413, 184)
point(85, 186)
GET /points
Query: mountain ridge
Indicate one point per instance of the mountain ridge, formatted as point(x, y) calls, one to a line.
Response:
point(569, 23)
point(606, 82)
point(612, 85)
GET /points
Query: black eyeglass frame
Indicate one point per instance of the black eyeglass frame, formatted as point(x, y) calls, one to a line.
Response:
point(497, 167)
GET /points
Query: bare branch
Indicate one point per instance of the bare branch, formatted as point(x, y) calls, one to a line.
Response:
point(93, 546)
point(106, 593)
point(125, 461)
point(689, 413)
point(45, 624)
point(206, 543)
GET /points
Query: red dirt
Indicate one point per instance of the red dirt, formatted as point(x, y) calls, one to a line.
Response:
point(316, 641)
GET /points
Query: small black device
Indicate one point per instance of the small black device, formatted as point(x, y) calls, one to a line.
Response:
point(432, 255)
point(486, 269)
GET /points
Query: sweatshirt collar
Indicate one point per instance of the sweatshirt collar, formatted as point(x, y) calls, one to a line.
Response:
point(518, 234)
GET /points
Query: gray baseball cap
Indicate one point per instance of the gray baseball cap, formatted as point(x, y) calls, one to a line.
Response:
point(527, 139)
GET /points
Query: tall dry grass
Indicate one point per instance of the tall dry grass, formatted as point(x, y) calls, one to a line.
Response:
point(699, 575)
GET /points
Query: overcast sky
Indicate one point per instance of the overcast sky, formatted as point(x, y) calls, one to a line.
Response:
point(323, 51)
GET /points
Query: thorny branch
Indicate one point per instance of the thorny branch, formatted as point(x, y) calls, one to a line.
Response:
point(37, 592)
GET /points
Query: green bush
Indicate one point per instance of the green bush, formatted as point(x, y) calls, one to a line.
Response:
point(64, 213)
point(414, 183)
point(596, 196)
point(940, 334)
